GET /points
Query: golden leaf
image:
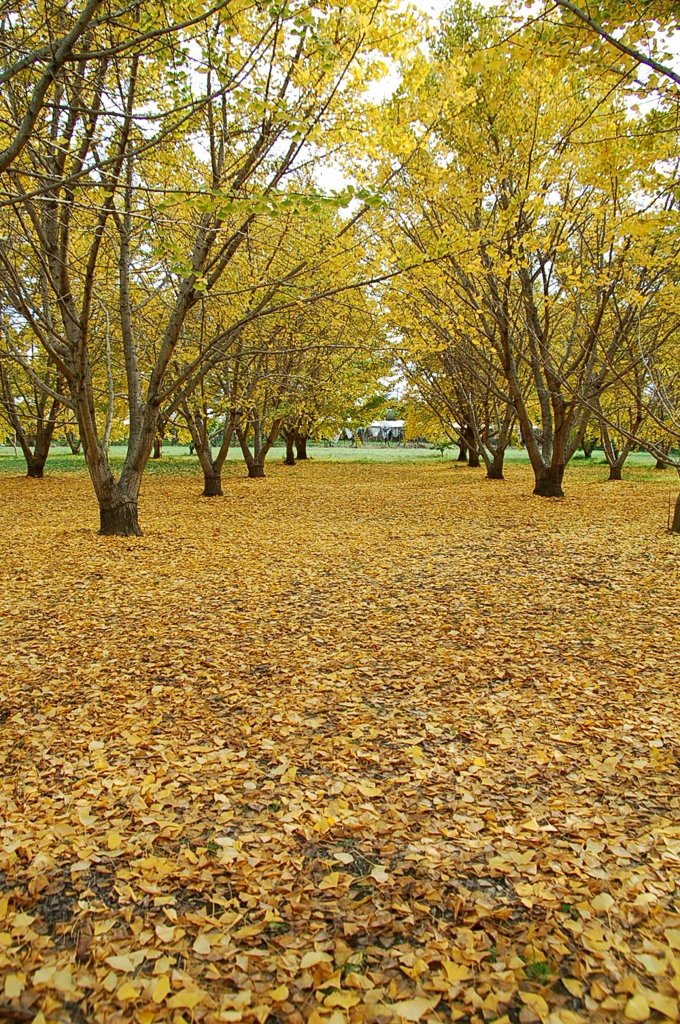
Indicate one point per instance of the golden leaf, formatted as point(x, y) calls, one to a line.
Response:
point(187, 999)
point(313, 958)
point(637, 1008)
point(113, 840)
point(14, 985)
point(413, 1009)
point(160, 988)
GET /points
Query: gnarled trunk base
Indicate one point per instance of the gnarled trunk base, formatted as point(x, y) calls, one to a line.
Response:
point(473, 461)
point(615, 473)
point(256, 472)
point(495, 470)
point(212, 487)
point(36, 470)
point(120, 521)
point(549, 483)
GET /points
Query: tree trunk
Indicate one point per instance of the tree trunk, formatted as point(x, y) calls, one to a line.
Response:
point(661, 464)
point(549, 482)
point(212, 468)
point(614, 457)
point(117, 499)
point(588, 447)
point(462, 452)
point(73, 442)
point(157, 447)
point(35, 467)
point(290, 450)
point(473, 459)
point(212, 485)
point(255, 459)
point(675, 525)
point(120, 520)
point(494, 470)
point(301, 447)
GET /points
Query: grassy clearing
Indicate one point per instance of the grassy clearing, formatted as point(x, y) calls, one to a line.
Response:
point(177, 460)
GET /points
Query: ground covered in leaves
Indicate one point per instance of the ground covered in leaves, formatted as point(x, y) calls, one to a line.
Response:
point(354, 743)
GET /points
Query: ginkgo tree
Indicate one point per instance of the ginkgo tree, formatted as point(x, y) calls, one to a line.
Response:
point(540, 238)
point(274, 81)
point(29, 412)
point(265, 347)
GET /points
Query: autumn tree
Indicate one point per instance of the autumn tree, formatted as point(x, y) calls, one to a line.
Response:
point(274, 80)
point(28, 409)
point(540, 252)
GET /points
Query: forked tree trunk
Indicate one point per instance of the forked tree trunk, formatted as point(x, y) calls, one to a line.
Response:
point(36, 452)
point(473, 459)
point(120, 520)
point(588, 447)
point(73, 442)
point(212, 485)
point(118, 500)
point(494, 471)
point(212, 467)
point(614, 457)
point(616, 463)
point(301, 446)
point(256, 458)
point(549, 481)
point(35, 467)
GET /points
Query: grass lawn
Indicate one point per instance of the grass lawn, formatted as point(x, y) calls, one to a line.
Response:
point(176, 458)
point(356, 742)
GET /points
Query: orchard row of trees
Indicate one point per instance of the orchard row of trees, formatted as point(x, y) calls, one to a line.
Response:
point(507, 235)
point(543, 203)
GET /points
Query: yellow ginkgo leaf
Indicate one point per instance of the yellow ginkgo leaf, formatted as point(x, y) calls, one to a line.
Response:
point(202, 945)
point(637, 1008)
point(314, 958)
point(663, 1004)
point(160, 988)
point(413, 1009)
point(127, 991)
point(186, 999)
point(14, 985)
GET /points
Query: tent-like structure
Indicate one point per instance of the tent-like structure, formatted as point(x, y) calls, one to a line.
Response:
point(386, 430)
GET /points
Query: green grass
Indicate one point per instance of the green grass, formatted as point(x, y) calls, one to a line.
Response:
point(176, 460)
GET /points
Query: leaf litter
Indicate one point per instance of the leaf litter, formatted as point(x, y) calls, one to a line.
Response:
point(354, 743)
